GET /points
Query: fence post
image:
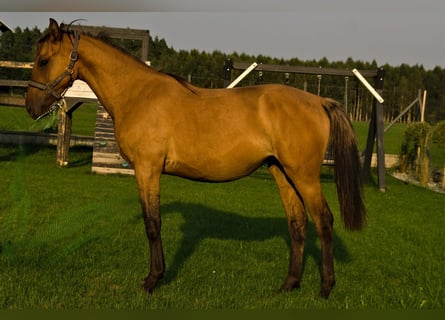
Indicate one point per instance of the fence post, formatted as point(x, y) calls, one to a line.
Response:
point(375, 133)
point(63, 137)
point(228, 66)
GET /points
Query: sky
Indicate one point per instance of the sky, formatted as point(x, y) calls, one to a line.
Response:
point(387, 31)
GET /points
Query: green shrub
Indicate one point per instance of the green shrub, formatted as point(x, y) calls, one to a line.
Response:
point(414, 155)
point(438, 134)
point(438, 138)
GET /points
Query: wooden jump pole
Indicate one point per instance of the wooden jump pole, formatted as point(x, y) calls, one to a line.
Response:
point(422, 110)
point(242, 75)
point(401, 114)
point(368, 85)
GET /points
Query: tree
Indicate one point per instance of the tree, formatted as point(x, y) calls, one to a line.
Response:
point(18, 46)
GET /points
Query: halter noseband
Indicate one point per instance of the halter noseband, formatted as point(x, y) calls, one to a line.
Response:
point(49, 88)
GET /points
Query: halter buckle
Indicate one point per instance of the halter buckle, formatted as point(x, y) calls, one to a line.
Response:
point(73, 55)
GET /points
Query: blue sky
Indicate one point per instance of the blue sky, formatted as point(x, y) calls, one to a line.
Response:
point(388, 31)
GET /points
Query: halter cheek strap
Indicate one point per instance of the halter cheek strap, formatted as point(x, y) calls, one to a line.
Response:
point(49, 88)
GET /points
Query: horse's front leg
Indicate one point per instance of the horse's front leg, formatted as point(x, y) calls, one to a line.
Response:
point(148, 181)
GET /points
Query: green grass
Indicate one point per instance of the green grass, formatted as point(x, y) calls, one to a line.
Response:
point(392, 138)
point(73, 239)
point(16, 119)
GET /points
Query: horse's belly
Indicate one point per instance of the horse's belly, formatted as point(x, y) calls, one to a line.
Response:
point(212, 170)
point(218, 155)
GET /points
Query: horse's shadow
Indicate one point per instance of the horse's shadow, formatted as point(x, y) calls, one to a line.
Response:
point(202, 222)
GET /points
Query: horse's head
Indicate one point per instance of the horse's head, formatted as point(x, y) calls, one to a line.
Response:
point(54, 70)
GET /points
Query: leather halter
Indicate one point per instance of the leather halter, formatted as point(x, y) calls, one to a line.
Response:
point(49, 88)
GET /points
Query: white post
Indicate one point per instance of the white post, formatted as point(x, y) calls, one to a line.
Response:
point(242, 75)
point(368, 86)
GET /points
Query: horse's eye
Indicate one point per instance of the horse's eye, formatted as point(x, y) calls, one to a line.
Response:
point(43, 62)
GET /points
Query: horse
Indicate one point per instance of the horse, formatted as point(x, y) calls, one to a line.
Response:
point(165, 125)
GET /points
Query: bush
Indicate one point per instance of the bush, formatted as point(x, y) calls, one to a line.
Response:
point(414, 155)
point(438, 134)
point(438, 138)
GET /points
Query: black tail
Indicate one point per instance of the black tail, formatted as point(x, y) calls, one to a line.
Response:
point(347, 166)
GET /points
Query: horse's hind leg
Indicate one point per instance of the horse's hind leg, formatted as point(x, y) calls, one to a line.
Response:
point(297, 223)
point(148, 183)
point(318, 208)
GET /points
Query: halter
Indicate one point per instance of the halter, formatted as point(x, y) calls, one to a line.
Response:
point(49, 88)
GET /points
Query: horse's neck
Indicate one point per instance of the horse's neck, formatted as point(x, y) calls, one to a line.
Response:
point(110, 73)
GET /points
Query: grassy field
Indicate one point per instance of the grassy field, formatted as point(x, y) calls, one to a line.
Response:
point(16, 119)
point(73, 239)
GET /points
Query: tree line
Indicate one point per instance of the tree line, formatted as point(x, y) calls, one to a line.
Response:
point(401, 85)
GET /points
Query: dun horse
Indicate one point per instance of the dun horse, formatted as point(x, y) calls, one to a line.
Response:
point(164, 125)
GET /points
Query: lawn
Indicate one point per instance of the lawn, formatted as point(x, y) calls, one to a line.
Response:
point(16, 119)
point(73, 239)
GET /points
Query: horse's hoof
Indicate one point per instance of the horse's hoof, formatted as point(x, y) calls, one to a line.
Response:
point(289, 286)
point(149, 284)
point(325, 293)
point(326, 289)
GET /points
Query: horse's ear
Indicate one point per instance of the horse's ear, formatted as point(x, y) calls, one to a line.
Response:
point(54, 30)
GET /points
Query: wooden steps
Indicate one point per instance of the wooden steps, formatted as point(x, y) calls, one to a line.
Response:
point(106, 156)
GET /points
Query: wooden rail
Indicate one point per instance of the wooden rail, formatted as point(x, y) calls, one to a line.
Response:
point(10, 100)
point(303, 70)
point(16, 64)
point(27, 137)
